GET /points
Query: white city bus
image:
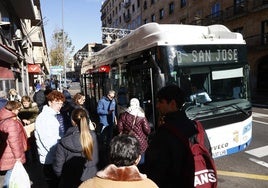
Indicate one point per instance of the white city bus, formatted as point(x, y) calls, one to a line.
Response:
point(208, 62)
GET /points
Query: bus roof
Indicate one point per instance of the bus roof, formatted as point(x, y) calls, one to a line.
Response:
point(154, 34)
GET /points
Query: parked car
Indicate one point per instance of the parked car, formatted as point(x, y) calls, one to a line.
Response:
point(68, 83)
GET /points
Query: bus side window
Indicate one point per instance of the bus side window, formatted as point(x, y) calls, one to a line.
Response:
point(236, 92)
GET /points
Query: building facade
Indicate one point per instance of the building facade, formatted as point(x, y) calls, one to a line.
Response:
point(81, 60)
point(249, 17)
point(23, 51)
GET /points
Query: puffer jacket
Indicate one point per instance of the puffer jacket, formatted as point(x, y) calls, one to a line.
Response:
point(119, 177)
point(13, 140)
point(70, 163)
point(140, 128)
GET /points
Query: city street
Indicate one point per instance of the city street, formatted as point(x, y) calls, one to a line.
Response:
point(247, 169)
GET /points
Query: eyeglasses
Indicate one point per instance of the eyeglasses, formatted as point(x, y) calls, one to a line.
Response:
point(58, 103)
point(110, 96)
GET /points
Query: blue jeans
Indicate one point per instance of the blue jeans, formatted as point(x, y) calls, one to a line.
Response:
point(142, 159)
point(7, 178)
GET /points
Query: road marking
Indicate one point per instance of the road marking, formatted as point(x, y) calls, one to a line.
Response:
point(262, 163)
point(242, 175)
point(258, 152)
point(261, 122)
point(256, 114)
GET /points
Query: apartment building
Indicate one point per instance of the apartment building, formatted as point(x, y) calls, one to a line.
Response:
point(81, 60)
point(249, 17)
point(122, 14)
point(23, 50)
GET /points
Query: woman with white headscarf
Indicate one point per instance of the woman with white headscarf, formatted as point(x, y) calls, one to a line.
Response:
point(133, 121)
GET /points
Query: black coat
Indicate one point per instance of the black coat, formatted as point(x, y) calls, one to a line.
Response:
point(168, 160)
point(70, 163)
point(40, 98)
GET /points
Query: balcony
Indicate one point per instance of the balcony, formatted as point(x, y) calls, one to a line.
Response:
point(37, 38)
point(260, 4)
point(215, 18)
point(38, 55)
point(110, 21)
point(103, 15)
point(36, 21)
point(221, 16)
point(259, 41)
point(127, 17)
point(126, 3)
point(24, 9)
point(237, 10)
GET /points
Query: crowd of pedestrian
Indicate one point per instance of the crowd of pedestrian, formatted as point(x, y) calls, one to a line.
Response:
point(54, 129)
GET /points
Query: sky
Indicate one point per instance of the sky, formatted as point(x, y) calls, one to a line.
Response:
point(80, 19)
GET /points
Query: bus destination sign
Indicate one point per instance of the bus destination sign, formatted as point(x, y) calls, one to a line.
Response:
point(207, 56)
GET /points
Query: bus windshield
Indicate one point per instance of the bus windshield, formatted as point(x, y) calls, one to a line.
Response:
point(210, 75)
point(208, 62)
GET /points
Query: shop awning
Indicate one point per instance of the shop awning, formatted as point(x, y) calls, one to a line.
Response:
point(6, 55)
point(24, 9)
point(86, 68)
point(6, 74)
point(34, 69)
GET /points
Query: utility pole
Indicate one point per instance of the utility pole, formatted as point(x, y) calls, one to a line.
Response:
point(63, 47)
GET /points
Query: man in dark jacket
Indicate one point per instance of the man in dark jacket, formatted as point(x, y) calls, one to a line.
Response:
point(168, 160)
point(39, 97)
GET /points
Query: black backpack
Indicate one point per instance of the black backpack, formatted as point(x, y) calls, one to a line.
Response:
point(205, 169)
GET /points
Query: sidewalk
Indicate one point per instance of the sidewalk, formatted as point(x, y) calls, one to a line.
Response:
point(34, 169)
point(35, 175)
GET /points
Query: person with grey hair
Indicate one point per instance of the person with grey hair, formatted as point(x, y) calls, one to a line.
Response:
point(3, 100)
point(107, 119)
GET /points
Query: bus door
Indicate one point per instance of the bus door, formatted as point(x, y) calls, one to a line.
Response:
point(140, 83)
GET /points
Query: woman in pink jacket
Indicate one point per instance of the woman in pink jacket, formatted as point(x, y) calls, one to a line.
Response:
point(13, 139)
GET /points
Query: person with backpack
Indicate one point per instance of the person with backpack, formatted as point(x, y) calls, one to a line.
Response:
point(169, 161)
point(133, 121)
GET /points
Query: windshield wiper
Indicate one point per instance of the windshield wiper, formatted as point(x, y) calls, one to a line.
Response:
point(214, 109)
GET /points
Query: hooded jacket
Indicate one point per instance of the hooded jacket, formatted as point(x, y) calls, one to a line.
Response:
point(70, 163)
point(13, 140)
point(119, 177)
point(168, 160)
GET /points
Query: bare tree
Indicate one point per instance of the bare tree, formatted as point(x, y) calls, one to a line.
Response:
point(61, 48)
